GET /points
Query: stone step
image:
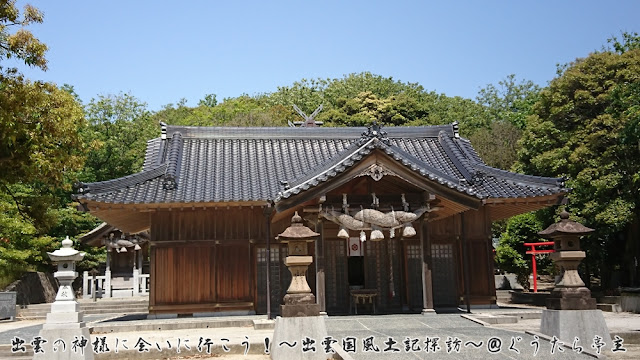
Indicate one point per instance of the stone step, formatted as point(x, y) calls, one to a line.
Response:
point(503, 296)
point(36, 314)
point(39, 311)
point(609, 307)
point(609, 300)
point(497, 319)
point(89, 311)
point(6, 353)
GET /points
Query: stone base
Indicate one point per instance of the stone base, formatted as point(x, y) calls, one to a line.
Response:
point(64, 318)
point(571, 299)
point(569, 324)
point(121, 293)
point(428, 312)
point(68, 335)
point(300, 310)
point(295, 330)
point(300, 298)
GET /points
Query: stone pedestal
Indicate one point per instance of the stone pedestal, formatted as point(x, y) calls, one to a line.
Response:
point(299, 300)
point(296, 330)
point(571, 299)
point(569, 324)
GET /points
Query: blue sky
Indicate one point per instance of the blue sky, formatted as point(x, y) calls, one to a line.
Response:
point(162, 51)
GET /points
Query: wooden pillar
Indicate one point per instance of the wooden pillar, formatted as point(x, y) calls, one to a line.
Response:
point(268, 212)
point(320, 283)
point(466, 262)
point(152, 278)
point(425, 256)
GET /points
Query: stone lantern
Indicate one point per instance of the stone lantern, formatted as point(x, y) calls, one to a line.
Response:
point(65, 321)
point(571, 311)
point(299, 301)
point(65, 308)
point(300, 313)
point(569, 292)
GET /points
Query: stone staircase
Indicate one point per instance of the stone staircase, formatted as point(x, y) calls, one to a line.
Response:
point(609, 303)
point(89, 307)
point(503, 296)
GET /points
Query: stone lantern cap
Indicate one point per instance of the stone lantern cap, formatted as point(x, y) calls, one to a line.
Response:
point(66, 253)
point(565, 227)
point(297, 231)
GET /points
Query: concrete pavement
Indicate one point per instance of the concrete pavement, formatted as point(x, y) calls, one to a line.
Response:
point(394, 336)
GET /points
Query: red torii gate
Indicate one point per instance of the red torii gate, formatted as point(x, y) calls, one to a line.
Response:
point(533, 253)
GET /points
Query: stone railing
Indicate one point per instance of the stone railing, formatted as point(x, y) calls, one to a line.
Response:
point(102, 285)
point(143, 284)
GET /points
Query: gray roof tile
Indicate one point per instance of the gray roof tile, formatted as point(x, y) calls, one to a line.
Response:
point(209, 164)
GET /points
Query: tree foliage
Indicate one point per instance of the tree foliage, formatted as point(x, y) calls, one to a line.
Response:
point(39, 125)
point(584, 127)
point(117, 134)
point(511, 253)
point(21, 44)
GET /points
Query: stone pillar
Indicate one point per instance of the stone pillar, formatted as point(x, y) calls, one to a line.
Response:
point(106, 288)
point(571, 311)
point(300, 313)
point(65, 321)
point(136, 273)
point(320, 279)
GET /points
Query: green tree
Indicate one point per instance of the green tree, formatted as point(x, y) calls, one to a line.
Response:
point(119, 127)
point(498, 144)
point(629, 41)
point(39, 125)
point(510, 100)
point(511, 253)
point(583, 127)
point(21, 44)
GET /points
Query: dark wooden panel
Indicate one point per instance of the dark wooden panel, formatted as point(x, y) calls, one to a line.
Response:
point(445, 291)
point(383, 272)
point(336, 281)
point(184, 275)
point(233, 223)
point(444, 229)
point(279, 275)
point(482, 284)
point(413, 274)
point(233, 273)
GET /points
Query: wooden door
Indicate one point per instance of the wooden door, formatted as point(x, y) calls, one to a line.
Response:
point(413, 275)
point(336, 280)
point(445, 291)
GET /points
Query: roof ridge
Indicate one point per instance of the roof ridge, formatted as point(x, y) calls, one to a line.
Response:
point(364, 149)
point(555, 182)
point(322, 132)
point(174, 159)
point(331, 164)
point(457, 157)
point(125, 181)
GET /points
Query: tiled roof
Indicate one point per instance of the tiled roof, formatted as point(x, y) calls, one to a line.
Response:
point(209, 164)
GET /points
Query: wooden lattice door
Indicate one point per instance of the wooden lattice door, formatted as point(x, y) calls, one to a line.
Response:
point(336, 280)
point(445, 291)
point(413, 275)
